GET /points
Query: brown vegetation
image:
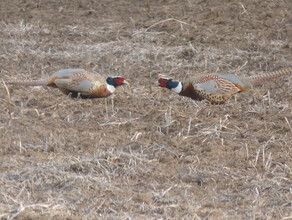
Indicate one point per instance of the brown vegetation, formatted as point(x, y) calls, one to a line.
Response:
point(145, 152)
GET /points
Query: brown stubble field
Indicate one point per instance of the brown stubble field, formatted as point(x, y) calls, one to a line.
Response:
point(145, 153)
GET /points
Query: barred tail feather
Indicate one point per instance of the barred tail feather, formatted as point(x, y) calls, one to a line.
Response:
point(29, 83)
point(258, 80)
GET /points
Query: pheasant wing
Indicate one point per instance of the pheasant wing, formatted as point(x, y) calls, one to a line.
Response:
point(214, 84)
point(81, 82)
point(81, 86)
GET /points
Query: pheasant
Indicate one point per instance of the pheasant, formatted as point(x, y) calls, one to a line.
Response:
point(78, 82)
point(218, 88)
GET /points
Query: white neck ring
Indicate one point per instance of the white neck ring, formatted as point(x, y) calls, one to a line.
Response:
point(110, 88)
point(177, 89)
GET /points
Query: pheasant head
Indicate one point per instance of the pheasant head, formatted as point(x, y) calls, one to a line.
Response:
point(113, 82)
point(170, 84)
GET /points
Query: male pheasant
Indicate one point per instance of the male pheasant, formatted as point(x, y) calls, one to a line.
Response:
point(218, 88)
point(78, 82)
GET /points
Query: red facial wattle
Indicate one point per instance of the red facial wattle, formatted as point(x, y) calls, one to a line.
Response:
point(162, 82)
point(119, 80)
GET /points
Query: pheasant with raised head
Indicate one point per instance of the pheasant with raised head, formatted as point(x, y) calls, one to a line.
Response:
point(78, 82)
point(218, 88)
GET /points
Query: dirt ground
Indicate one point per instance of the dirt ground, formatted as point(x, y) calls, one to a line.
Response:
point(145, 152)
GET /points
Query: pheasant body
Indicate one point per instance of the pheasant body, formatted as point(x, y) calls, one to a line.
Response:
point(78, 82)
point(218, 88)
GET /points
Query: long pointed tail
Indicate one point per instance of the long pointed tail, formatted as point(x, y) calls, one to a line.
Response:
point(258, 80)
point(29, 83)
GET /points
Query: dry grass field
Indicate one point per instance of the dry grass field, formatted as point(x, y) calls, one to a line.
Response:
point(145, 152)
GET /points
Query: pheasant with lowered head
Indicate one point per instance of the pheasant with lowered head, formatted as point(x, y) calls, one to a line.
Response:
point(218, 88)
point(78, 82)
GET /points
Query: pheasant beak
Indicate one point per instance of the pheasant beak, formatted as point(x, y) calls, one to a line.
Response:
point(125, 82)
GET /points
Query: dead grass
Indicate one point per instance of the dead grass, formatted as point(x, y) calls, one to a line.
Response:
point(145, 152)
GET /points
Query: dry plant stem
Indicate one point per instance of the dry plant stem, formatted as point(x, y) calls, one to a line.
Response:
point(169, 19)
point(288, 124)
point(9, 100)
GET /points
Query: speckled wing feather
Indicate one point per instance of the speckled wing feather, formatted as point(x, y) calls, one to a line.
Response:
point(76, 75)
point(214, 84)
point(240, 82)
point(82, 81)
point(83, 85)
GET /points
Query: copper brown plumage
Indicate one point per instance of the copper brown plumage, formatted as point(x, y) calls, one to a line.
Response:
point(78, 82)
point(218, 88)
